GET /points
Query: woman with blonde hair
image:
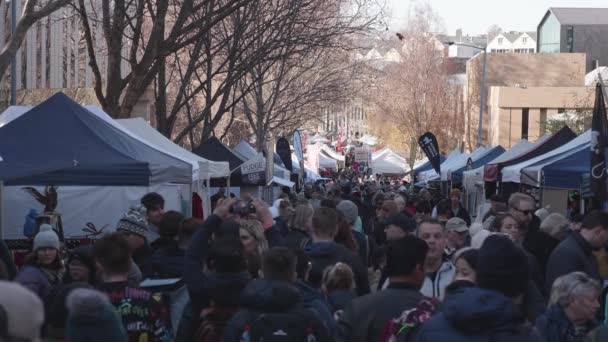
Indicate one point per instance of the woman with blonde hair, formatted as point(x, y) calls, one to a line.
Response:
point(254, 243)
point(338, 285)
point(300, 225)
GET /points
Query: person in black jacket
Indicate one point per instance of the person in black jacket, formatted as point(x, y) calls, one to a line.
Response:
point(575, 253)
point(324, 252)
point(456, 208)
point(365, 318)
point(535, 241)
point(274, 301)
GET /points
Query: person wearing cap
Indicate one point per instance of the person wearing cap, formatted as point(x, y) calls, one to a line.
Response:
point(488, 312)
point(399, 226)
point(456, 208)
point(457, 233)
point(23, 311)
point(44, 269)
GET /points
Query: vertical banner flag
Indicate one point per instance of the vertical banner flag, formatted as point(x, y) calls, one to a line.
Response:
point(428, 144)
point(297, 145)
point(284, 152)
point(599, 138)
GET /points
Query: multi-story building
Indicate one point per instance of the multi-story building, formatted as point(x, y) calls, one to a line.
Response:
point(513, 42)
point(570, 30)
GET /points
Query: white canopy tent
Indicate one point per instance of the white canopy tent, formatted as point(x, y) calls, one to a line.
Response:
point(331, 153)
point(473, 178)
point(318, 139)
point(389, 162)
point(461, 161)
point(513, 173)
point(327, 162)
point(280, 174)
point(202, 168)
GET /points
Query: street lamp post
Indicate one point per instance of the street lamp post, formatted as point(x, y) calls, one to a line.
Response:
point(483, 89)
point(14, 59)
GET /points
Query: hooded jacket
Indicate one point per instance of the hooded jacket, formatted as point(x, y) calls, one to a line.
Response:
point(435, 288)
point(324, 254)
point(553, 325)
point(267, 296)
point(476, 314)
point(313, 300)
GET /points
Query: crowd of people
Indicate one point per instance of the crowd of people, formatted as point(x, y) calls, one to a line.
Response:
point(356, 261)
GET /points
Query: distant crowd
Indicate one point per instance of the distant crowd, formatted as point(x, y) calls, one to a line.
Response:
point(352, 260)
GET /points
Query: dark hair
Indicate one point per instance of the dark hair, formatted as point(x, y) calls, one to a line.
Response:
point(328, 203)
point(303, 263)
point(403, 255)
point(324, 222)
point(153, 201)
point(423, 207)
point(227, 255)
point(443, 207)
point(470, 256)
point(499, 219)
point(345, 234)
point(594, 219)
point(189, 227)
point(171, 224)
point(279, 263)
point(32, 260)
point(113, 253)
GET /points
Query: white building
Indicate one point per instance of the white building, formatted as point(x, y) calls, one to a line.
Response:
point(459, 48)
point(513, 42)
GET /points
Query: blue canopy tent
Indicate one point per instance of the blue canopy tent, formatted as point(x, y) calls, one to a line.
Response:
point(568, 172)
point(60, 142)
point(479, 162)
point(426, 166)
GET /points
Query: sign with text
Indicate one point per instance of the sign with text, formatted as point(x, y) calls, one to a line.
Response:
point(362, 155)
point(428, 144)
point(254, 170)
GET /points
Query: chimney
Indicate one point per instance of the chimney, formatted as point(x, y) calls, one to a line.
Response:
point(458, 35)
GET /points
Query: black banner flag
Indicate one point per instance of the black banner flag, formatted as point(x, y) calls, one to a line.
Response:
point(599, 139)
point(284, 152)
point(428, 144)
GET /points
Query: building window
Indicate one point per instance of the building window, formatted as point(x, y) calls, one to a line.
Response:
point(549, 35)
point(524, 40)
point(570, 39)
point(525, 116)
point(499, 41)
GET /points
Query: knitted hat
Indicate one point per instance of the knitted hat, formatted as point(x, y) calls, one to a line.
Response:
point(407, 224)
point(92, 318)
point(24, 310)
point(349, 210)
point(456, 224)
point(46, 238)
point(502, 266)
point(134, 221)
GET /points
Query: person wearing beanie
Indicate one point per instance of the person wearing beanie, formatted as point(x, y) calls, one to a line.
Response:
point(24, 313)
point(91, 317)
point(43, 267)
point(488, 312)
point(134, 227)
point(351, 214)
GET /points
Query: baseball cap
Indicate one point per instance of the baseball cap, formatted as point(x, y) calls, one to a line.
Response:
point(456, 224)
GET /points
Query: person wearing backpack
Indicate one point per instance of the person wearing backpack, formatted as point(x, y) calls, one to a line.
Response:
point(324, 252)
point(272, 309)
point(365, 318)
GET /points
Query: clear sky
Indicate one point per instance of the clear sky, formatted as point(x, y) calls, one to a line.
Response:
point(475, 16)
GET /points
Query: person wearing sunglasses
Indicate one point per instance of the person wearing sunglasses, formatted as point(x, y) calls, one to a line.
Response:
point(535, 241)
point(575, 253)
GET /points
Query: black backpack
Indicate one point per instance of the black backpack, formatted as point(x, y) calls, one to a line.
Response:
point(294, 325)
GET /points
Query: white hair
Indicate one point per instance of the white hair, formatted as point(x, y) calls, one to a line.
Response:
point(572, 286)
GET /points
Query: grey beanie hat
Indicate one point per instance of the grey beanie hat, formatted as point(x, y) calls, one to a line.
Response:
point(134, 221)
point(46, 238)
point(349, 210)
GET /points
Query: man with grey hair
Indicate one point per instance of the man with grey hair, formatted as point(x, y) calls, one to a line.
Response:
point(575, 253)
point(556, 225)
point(572, 308)
point(538, 243)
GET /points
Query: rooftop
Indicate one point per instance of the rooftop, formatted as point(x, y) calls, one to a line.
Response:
point(580, 16)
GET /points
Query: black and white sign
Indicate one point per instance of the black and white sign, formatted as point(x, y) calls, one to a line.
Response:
point(428, 144)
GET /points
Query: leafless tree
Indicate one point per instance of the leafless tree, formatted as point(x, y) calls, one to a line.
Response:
point(33, 11)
